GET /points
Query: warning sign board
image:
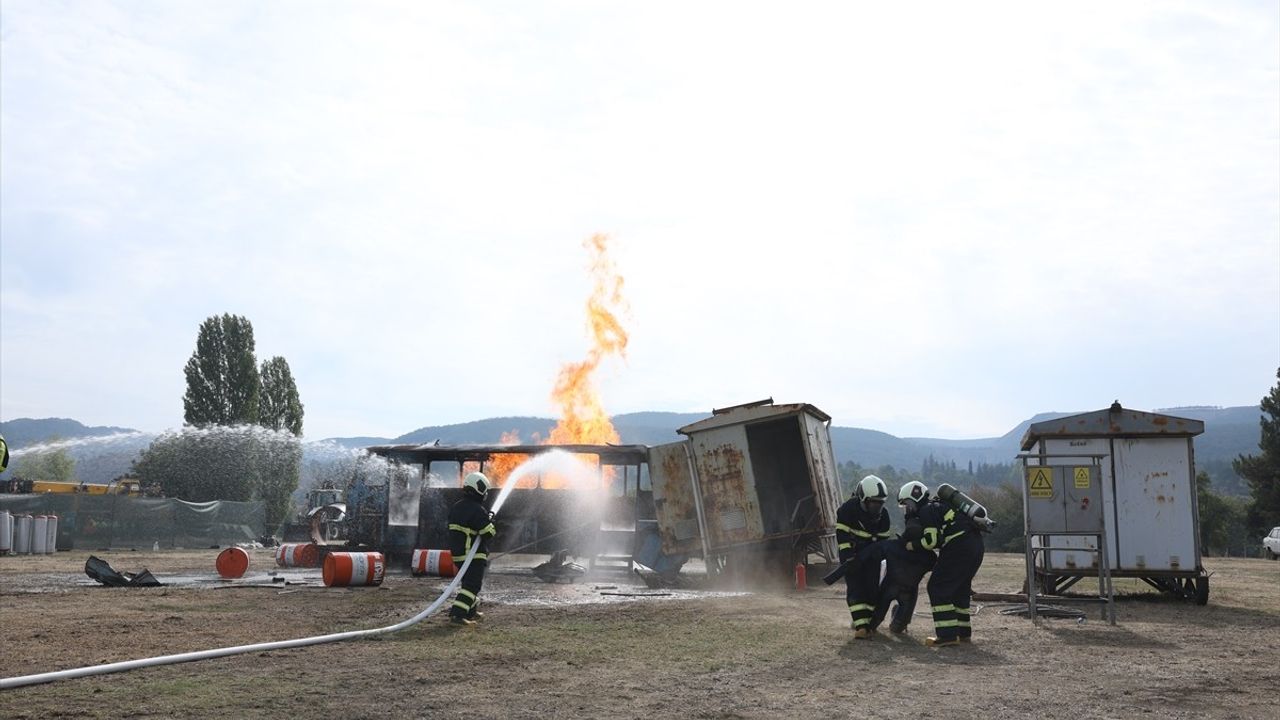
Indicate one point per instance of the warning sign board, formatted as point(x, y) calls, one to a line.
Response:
point(1082, 478)
point(1040, 482)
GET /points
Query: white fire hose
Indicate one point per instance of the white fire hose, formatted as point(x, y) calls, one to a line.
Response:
point(13, 682)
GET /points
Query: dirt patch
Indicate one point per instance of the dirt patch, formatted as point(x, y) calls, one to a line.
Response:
point(558, 650)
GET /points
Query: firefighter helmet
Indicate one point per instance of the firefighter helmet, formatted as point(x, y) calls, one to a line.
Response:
point(872, 488)
point(914, 491)
point(478, 482)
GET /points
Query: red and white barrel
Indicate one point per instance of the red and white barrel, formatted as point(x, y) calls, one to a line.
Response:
point(53, 535)
point(40, 535)
point(433, 562)
point(232, 563)
point(354, 568)
point(297, 555)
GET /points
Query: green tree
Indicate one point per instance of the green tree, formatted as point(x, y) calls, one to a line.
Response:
point(1262, 471)
point(54, 465)
point(1004, 505)
point(1222, 520)
point(222, 374)
point(279, 407)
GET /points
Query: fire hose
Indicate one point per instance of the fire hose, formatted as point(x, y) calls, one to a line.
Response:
point(47, 677)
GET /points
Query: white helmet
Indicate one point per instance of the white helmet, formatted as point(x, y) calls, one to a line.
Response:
point(872, 488)
point(915, 491)
point(478, 482)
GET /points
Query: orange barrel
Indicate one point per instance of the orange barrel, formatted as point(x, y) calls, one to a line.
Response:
point(297, 555)
point(353, 568)
point(433, 562)
point(232, 562)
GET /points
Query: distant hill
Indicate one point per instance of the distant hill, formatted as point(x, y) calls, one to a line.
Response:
point(1229, 432)
point(26, 431)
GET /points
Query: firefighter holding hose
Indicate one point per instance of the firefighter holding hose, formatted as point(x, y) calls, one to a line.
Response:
point(861, 521)
point(470, 522)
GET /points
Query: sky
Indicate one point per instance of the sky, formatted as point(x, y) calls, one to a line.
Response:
point(930, 219)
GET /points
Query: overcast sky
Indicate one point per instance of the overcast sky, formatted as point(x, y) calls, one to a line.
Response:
point(926, 219)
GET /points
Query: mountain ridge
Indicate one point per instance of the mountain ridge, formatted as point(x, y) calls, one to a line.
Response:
point(1229, 432)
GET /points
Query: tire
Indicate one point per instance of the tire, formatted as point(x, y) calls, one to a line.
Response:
point(1202, 591)
point(1271, 555)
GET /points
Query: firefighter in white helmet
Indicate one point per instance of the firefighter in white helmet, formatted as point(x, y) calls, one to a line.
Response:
point(861, 521)
point(470, 523)
point(935, 524)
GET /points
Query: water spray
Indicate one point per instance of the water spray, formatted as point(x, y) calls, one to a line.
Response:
point(47, 677)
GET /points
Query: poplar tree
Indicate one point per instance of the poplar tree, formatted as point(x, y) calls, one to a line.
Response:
point(279, 407)
point(222, 374)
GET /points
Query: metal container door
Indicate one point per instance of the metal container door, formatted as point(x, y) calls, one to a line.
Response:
point(674, 499)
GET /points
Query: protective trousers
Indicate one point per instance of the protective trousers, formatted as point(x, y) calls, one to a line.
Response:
point(903, 571)
point(862, 588)
point(468, 597)
point(951, 585)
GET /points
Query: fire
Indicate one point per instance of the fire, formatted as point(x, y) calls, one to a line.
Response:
point(583, 419)
point(582, 415)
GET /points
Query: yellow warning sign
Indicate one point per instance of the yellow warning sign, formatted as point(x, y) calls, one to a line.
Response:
point(1082, 477)
point(1040, 481)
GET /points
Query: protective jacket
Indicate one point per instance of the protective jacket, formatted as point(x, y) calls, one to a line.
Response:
point(469, 523)
point(856, 528)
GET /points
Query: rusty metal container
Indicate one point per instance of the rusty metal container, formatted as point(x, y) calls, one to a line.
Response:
point(1148, 494)
point(750, 475)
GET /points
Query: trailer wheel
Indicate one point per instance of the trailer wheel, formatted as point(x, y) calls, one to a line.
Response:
point(1202, 590)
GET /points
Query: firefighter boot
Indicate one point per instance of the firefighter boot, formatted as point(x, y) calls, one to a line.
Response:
point(940, 642)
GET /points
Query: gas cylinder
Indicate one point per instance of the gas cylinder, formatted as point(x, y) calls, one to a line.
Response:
point(965, 504)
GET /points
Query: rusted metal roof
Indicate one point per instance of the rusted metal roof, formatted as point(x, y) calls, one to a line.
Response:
point(751, 412)
point(1115, 421)
point(417, 454)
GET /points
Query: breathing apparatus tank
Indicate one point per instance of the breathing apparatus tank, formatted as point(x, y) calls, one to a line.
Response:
point(967, 505)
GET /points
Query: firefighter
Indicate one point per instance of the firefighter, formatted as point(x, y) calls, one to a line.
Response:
point(905, 565)
point(861, 521)
point(934, 524)
point(4, 454)
point(470, 522)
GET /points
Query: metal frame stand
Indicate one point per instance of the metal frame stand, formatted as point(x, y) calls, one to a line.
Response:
point(1106, 589)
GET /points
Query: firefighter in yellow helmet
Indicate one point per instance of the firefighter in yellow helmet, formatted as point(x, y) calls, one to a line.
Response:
point(470, 522)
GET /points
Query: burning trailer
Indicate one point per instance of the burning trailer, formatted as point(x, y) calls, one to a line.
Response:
point(753, 488)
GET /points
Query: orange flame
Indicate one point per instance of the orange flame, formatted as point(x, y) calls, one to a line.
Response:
point(583, 419)
point(582, 415)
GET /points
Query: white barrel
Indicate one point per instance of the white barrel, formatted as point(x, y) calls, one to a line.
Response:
point(53, 535)
point(6, 532)
point(40, 535)
point(22, 534)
